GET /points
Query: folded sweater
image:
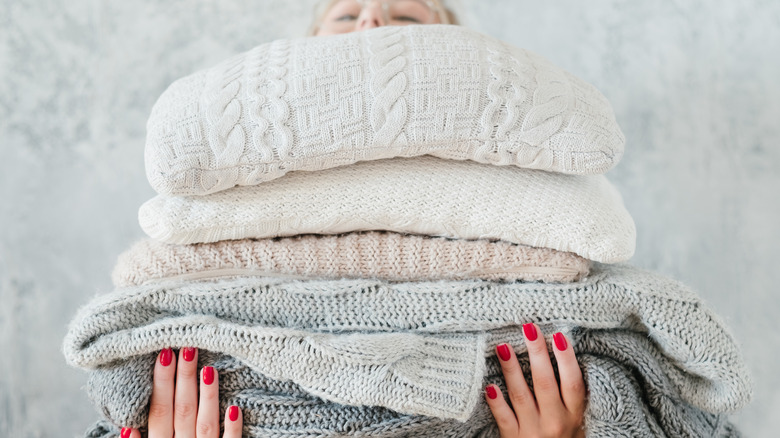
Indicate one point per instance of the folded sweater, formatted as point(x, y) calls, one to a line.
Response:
point(396, 91)
point(583, 214)
point(629, 395)
point(415, 348)
point(386, 256)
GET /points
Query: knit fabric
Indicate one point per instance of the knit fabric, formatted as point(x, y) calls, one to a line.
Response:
point(386, 256)
point(415, 348)
point(630, 395)
point(395, 91)
point(583, 214)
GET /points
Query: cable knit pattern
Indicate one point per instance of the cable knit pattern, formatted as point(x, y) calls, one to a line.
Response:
point(226, 136)
point(665, 361)
point(388, 85)
point(317, 103)
point(583, 214)
point(387, 256)
point(271, 138)
point(232, 316)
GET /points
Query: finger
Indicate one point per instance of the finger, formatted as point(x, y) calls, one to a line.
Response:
point(161, 406)
point(548, 396)
point(129, 433)
point(234, 422)
point(185, 404)
point(572, 384)
point(208, 407)
point(520, 395)
point(505, 417)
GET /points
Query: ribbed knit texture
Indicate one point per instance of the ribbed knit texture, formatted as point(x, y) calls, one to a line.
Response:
point(381, 255)
point(317, 103)
point(583, 214)
point(630, 395)
point(417, 348)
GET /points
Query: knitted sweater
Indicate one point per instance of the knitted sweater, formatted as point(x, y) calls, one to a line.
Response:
point(386, 256)
point(418, 348)
point(583, 214)
point(630, 396)
point(317, 103)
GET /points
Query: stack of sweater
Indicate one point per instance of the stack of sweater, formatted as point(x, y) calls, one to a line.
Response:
point(347, 226)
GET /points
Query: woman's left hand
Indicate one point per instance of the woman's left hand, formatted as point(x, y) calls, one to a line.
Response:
point(550, 410)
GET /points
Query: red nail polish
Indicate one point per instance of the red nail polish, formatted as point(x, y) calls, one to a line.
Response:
point(560, 341)
point(503, 352)
point(530, 331)
point(125, 432)
point(166, 356)
point(208, 375)
point(188, 353)
point(491, 392)
point(233, 413)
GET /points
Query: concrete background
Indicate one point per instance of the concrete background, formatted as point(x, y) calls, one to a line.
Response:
point(695, 85)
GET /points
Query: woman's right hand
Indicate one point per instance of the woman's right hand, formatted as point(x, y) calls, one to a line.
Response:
point(176, 407)
point(552, 410)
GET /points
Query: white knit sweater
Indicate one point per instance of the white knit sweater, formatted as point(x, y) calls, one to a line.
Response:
point(583, 214)
point(317, 103)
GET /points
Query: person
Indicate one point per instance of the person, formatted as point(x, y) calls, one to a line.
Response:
point(334, 17)
point(184, 408)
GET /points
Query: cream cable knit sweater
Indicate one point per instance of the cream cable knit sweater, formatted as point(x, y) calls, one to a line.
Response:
point(416, 348)
point(317, 103)
point(583, 214)
point(386, 256)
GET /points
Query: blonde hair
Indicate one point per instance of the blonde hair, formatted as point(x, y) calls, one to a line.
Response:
point(446, 15)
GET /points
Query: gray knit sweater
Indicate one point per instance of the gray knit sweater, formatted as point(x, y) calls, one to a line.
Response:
point(325, 358)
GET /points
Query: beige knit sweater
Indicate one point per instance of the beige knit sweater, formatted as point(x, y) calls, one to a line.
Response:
point(380, 255)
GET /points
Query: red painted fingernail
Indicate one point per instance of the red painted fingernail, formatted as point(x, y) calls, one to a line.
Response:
point(560, 341)
point(166, 356)
point(188, 353)
point(208, 375)
point(491, 392)
point(503, 352)
point(125, 432)
point(233, 413)
point(530, 331)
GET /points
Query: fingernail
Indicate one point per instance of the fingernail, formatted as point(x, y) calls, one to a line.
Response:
point(188, 353)
point(165, 358)
point(491, 392)
point(503, 352)
point(208, 375)
point(560, 341)
point(233, 413)
point(530, 331)
point(125, 432)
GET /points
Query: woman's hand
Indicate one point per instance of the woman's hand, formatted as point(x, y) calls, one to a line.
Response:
point(548, 411)
point(176, 407)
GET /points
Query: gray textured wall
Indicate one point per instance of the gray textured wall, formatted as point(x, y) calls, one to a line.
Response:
point(695, 84)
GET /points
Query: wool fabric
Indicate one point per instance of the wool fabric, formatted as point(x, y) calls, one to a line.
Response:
point(583, 214)
point(395, 91)
point(382, 255)
point(416, 348)
point(630, 395)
